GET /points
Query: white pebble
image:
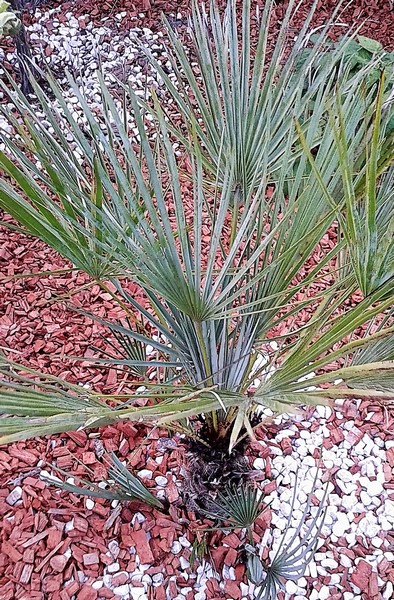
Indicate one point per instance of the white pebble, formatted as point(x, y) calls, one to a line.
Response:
point(389, 509)
point(324, 412)
point(113, 547)
point(145, 474)
point(97, 585)
point(377, 542)
point(344, 475)
point(69, 526)
point(185, 563)
point(138, 517)
point(368, 526)
point(259, 464)
point(349, 502)
point(388, 592)
point(385, 524)
point(285, 509)
point(291, 587)
point(329, 563)
point(137, 593)
point(161, 480)
point(176, 547)
point(345, 561)
point(324, 592)
point(341, 525)
point(14, 496)
point(184, 541)
point(157, 578)
point(374, 488)
point(350, 538)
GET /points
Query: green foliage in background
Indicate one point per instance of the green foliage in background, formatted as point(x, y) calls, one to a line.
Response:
point(9, 22)
point(361, 52)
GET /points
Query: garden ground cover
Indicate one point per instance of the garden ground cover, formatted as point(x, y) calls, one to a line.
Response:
point(56, 545)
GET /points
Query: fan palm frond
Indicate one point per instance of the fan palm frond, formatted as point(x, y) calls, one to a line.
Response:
point(238, 506)
point(294, 552)
point(121, 484)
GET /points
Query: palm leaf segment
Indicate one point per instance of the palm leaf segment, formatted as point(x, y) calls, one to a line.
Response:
point(43, 404)
point(238, 506)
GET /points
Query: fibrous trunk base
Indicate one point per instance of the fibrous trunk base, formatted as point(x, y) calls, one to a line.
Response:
point(209, 470)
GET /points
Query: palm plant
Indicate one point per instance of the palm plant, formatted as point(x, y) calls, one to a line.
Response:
point(215, 301)
point(273, 171)
point(239, 508)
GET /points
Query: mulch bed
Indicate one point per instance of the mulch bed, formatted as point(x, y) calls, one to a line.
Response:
point(52, 545)
point(376, 17)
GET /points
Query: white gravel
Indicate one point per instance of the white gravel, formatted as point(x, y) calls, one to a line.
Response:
point(351, 494)
point(81, 49)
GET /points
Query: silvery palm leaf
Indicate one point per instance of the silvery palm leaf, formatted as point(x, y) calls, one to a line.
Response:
point(121, 484)
point(237, 507)
point(294, 552)
point(239, 108)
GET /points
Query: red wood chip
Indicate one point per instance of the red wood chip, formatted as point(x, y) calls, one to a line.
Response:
point(361, 575)
point(24, 455)
point(26, 574)
point(172, 492)
point(51, 583)
point(390, 456)
point(79, 437)
point(231, 540)
point(270, 487)
point(142, 546)
point(88, 458)
point(58, 562)
point(29, 555)
point(65, 462)
point(373, 585)
point(48, 557)
point(54, 537)
point(91, 559)
point(35, 539)
point(80, 524)
point(87, 593)
point(231, 556)
point(218, 555)
point(9, 550)
point(72, 588)
point(120, 579)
